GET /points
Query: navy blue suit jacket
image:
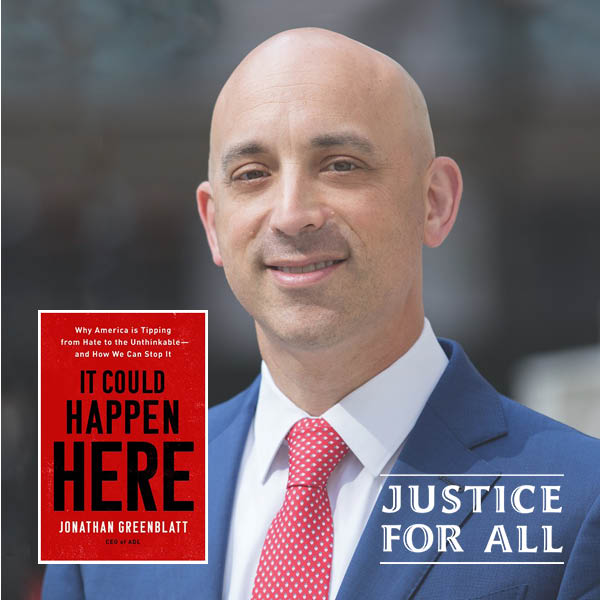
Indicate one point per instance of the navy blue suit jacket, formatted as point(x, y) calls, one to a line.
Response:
point(466, 428)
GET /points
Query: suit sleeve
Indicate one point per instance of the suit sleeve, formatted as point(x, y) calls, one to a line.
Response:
point(581, 578)
point(62, 582)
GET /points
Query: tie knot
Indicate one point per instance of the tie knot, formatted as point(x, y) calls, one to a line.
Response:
point(315, 451)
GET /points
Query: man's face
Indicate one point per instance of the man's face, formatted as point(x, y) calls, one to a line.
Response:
point(317, 201)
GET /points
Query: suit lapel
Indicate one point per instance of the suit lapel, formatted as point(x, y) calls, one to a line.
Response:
point(225, 449)
point(463, 411)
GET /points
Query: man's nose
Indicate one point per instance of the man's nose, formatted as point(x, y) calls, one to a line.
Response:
point(298, 205)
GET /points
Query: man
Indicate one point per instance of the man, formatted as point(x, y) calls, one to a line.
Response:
point(323, 187)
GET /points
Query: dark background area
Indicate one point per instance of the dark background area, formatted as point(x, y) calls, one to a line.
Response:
point(106, 109)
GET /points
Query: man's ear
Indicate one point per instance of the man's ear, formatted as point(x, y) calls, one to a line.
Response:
point(442, 200)
point(206, 210)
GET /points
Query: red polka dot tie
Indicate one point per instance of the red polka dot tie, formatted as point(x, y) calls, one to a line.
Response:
point(295, 562)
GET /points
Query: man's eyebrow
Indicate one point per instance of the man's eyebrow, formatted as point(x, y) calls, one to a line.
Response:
point(241, 150)
point(326, 140)
point(343, 139)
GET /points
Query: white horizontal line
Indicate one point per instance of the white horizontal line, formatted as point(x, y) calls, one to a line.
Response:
point(473, 563)
point(472, 475)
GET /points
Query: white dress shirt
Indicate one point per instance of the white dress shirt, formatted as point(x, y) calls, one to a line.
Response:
point(374, 421)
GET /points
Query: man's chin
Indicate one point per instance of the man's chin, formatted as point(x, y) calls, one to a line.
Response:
point(303, 333)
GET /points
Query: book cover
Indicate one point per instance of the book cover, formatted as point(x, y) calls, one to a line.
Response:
point(122, 436)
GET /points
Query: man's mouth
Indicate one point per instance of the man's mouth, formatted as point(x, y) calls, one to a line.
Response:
point(307, 268)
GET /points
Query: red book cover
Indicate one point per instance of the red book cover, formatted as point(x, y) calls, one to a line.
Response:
point(122, 436)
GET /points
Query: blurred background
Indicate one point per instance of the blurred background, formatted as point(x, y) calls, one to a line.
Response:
point(106, 108)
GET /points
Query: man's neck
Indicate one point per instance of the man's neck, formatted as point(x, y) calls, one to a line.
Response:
point(315, 380)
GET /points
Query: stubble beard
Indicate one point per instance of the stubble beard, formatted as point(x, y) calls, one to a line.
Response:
point(309, 320)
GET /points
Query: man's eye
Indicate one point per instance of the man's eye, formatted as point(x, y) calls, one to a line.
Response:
point(254, 174)
point(341, 165)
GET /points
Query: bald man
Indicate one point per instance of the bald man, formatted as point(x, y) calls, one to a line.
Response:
point(369, 459)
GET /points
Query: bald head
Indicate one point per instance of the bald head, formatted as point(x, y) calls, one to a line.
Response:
point(312, 65)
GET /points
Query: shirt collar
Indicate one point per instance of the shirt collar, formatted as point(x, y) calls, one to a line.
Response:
point(373, 420)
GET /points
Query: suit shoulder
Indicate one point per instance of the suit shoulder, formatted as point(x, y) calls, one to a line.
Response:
point(556, 440)
point(221, 415)
point(532, 420)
